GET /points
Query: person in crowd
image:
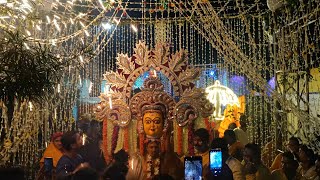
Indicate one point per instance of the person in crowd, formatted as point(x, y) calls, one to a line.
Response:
point(113, 173)
point(231, 167)
point(71, 161)
point(254, 169)
point(240, 132)
point(201, 146)
point(232, 126)
point(235, 147)
point(121, 160)
point(54, 149)
point(86, 174)
point(12, 173)
point(91, 150)
point(162, 177)
point(318, 168)
point(307, 160)
point(293, 147)
point(288, 170)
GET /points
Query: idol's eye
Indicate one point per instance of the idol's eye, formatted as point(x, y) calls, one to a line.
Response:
point(148, 121)
point(157, 121)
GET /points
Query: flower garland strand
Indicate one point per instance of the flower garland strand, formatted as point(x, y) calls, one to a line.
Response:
point(115, 135)
point(179, 150)
point(141, 142)
point(153, 167)
point(126, 139)
point(105, 140)
point(190, 138)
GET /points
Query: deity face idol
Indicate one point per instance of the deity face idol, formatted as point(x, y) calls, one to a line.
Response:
point(153, 124)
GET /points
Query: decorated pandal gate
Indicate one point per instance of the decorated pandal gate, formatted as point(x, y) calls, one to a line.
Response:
point(129, 120)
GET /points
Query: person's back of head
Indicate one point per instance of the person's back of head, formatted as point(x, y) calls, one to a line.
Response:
point(113, 173)
point(230, 136)
point(219, 143)
point(12, 173)
point(203, 134)
point(162, 177)
point(68, 139)
point(86, 174)
point(121, 156)
point(255, 151)
point(232, 126)
point(311, 157)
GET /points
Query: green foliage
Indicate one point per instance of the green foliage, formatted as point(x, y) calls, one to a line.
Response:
point(26, 73)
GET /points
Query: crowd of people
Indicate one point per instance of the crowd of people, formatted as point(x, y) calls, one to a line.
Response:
point(72, 159)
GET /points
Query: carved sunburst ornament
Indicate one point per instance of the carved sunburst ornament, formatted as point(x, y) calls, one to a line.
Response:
point(174, 66)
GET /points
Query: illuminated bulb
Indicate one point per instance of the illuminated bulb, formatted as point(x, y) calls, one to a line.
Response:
point(4, 17)
point(134, 28)
point(87, 33)
point(81, 59)
point(84, 139)
point(110, 102)
point(116, 21)
point(82, 24)
point(3, 1)
point(28, 32)
point(71, 20)
point(55, 113)
point(106, 25)
point(26, 45)
point(30, 106)
point(82, 41)
point(90, 87)
point(56, 16)
point(58, 88)
point(38, 27)
point(80, 80)
point(56, 25)
point(101, 4)
point(48, 19)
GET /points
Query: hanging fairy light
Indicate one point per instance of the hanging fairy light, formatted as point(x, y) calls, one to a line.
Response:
point(134, 28)
point(221, 95)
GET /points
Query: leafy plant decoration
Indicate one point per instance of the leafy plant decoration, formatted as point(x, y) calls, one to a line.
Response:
point(26, 71)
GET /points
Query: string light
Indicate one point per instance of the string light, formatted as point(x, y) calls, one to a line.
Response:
point(134, 28)
point(30, 106)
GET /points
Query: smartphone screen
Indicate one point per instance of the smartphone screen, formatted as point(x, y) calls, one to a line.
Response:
point(48, 165)
point(193, 168)
point(215, 161)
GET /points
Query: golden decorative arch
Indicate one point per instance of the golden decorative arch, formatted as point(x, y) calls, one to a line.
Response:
point(174, 66)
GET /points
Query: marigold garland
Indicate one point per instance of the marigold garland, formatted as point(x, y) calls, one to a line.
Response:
point(190, 138)
point(179, 150)
point(141, 147)
point(105, 140)
point(115, 135)
point(126, 139)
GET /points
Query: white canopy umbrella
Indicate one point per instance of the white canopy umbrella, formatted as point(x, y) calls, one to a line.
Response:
point(219, 95)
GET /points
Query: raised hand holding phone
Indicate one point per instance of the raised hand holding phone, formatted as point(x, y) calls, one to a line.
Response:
point(193, 168)
point(215, 161)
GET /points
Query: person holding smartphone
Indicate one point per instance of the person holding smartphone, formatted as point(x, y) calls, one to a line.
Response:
point(231, 168)
point(201, 146)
